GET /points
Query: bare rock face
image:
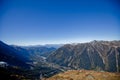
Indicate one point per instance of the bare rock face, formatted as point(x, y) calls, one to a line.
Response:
point(98, 55)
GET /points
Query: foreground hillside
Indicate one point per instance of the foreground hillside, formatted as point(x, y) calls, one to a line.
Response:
point(85, 75)
point(95, 55)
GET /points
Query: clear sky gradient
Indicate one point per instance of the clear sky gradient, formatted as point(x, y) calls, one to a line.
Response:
point(31, 22)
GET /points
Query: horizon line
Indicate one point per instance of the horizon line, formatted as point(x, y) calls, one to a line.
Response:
point(44, 44)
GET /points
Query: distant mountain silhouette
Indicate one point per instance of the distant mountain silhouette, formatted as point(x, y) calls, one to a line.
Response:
point(39, 50)
point(97, 55)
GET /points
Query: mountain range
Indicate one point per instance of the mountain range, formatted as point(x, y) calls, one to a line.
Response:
point(48, 61)
point(96, 55)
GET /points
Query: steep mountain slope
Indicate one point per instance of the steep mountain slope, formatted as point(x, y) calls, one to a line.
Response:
point(85, 75)
point(34, 53)
point(98, 55)
point(21, 51)
point(12, 56)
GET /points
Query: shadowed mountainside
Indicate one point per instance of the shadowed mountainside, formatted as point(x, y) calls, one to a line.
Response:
point(25, 65)
point(12, 56)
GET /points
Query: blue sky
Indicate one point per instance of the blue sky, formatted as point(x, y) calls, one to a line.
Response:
point(31, 22)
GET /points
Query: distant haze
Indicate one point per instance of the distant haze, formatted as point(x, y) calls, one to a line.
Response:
point(32, 22)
